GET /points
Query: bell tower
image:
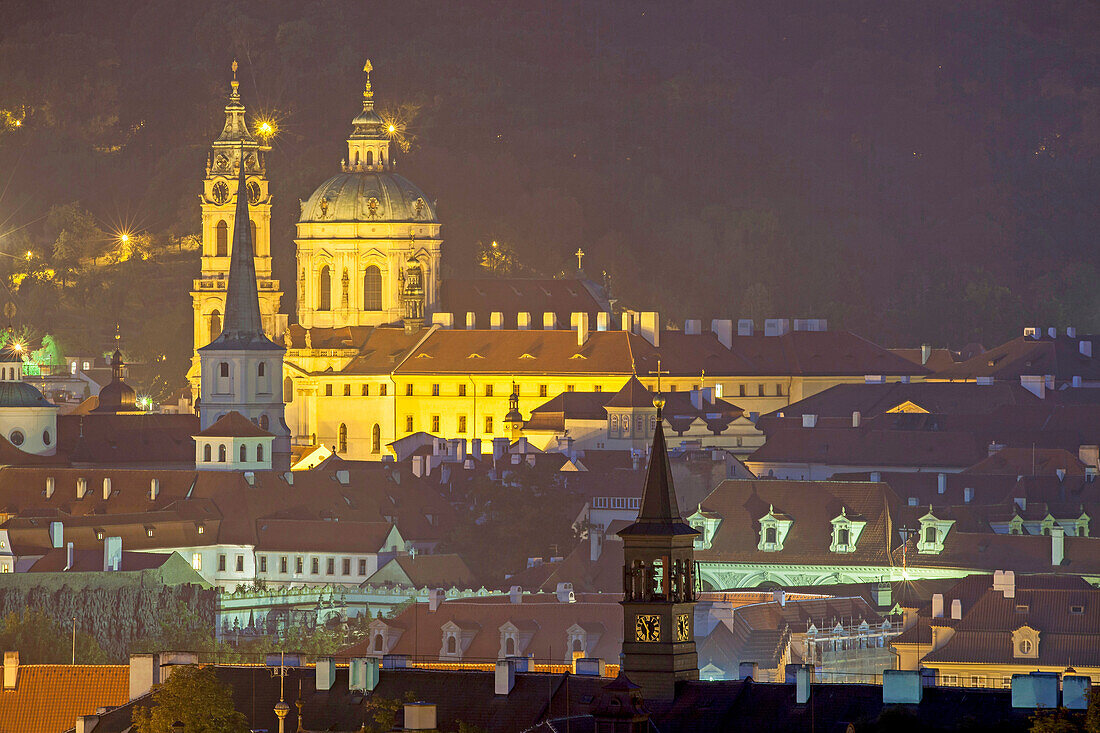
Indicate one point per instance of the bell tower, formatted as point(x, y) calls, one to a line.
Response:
point(218, 201)
point(659, 584)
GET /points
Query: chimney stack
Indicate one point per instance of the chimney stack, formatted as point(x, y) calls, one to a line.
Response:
point(523, 321)
point(650, 328)
point(69, 556)
point(549, 321)
point(693, 327)
point(471, 320)
point(154, 489)
point(11, 670)
point(106, 488)
point(803, 678)
point(941, 483)
point(505, 678)
point(515, 594)
point(925, 353)
point(57, 534)
point(857, 418)
point(745, 327)
point(603, 321)
point(937, 605)
point(435, 597)
point(496, 320)
point(50, 484)
point(1057, 545)
point(723, 330)
point(112, 554)
point(956, 609)
point(579, 321)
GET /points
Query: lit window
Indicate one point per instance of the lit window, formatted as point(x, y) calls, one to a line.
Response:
point(435, 423)
point(196, 561)
point(488, 424)
point(435, 390)
point(462, 423)
point(263, 563)
point(488, 390)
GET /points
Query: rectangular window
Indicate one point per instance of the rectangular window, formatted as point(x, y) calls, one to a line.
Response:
point(298, 565)
point(282, 564)
point(263, 563)
point(435, 423)
point(346, 566)
point(366, 390)
point(598, 388)
point(330, 566)
point(759, 390)
point(977, 680)
point(740, 390)
point(408, 423)
point(462, 423)
point(543, 390)
point(842, 537)
point(462, 390)
point(328, 390)
point(778, 390)
point(383, 390)
point(196, 560)
point(223, 368)
point(435, 390)
point(314, 565)
point(488, 425)
point(347, 390)
point(362, 567)
point(571, 388)
point(408, 389)
point(240, 563)
point(488, 390)
point(221, 563)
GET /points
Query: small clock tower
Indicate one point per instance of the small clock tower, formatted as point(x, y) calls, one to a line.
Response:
point(218, 201)
point(659, 584)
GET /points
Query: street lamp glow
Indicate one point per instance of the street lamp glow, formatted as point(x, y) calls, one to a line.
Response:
point(392, 129)
point(29, 254)
point(124, 237)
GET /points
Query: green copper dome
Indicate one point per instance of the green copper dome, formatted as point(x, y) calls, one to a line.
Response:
point(21, 394)
point(366, 196)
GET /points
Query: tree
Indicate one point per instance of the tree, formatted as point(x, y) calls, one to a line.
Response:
point(41, 640)
point(1061, 720)
point(194, 696)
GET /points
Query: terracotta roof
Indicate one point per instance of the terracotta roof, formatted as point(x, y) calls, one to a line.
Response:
point(632, 394)
point(986, 551)
point(1026, 355)
point(322, 536)
point(431, 571)
point(234, 425)
point(128, 439)
point(48, 698)
point(811, 505)
point(1024, 461)
point(510, 296)
point(937, 358)
point(866, 447)
point(92, 561)
point(569, 406)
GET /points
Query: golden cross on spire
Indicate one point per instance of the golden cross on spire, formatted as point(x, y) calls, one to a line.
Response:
point(234, 67)
point(579, 254)
point(658, 400)
point(368, 93)
point(658, 374)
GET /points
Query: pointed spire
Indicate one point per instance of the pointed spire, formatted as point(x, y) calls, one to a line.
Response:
point(242, 326)
point(368, 93)
point(659, 497)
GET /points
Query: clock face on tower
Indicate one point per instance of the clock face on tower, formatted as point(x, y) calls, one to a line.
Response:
point(683, 628)
point(253, 192)
point(221, 192)
point(647, 627)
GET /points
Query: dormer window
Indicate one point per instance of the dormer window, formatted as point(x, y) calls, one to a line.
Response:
point(1025, 643)
point(774, 527)
point(846, 531)
point(1083, 525)
point(933, 532)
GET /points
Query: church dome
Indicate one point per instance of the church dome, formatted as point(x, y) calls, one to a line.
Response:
point(368, 196)
point(21, 394)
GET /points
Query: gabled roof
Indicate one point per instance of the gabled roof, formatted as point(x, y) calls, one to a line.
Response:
point(425, 571)
point(632, 394)
point(322, 536)
point(1028, 355)
point(234, 425)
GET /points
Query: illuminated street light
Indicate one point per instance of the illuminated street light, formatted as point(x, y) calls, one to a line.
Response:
point(124, 237)
point(29, 254)
point(392, 129)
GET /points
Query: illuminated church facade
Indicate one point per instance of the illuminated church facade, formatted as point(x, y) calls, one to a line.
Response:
point(382, 347)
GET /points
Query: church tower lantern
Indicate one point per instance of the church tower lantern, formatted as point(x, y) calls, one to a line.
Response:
point(659, 584)
point(218, 201)
point(242, 369)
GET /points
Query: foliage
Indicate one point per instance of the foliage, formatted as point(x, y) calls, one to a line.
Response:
point(195, 697)
point(1061, 720)
point(40, 639)
point(382, 712)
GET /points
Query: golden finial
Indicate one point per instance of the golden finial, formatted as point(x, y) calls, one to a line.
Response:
point(234, 84)
point(658, 400)
point(234, 67)
point(368, 93)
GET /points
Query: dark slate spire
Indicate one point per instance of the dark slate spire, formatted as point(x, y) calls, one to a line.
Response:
point(242, 327)
point(660, 513)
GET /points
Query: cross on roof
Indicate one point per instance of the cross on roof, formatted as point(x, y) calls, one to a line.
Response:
point(579, 254)
point(658, 374)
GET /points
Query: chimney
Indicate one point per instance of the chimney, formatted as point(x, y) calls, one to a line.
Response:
point(362, 674)
point(941, 483)
point(471, 320)
point(603, 321)
point(68, 555)
point(326, 673)
point(956, 609)
point(1085, 347)
point(902, 687)
point(106, 488)
point(549, 321)
point(803, 679)
point(745, 327)
point(925, 353)
point(565, 593)
point(589, 666)
point(112, 554)
point(650, 328)
point(475, 448)
point(86, 723)
point(81, 487)
point(697, 399)
point(144, 673)
point(776, 326)
point(515, 594)
point(723, 330)
point(693, 327)
point(443, 320)
point(496, 320)
point(780, 596)
point(1057, 545)
point(1076, 381)
point(937, 605)
point(523, 321)
point(505, 677)
point(49, 486)
point(57, 534)
point(460, 450)
point(595, 544)
point(1052, 332)
point(876, 476)
point(420, 716)
point(435, 597)
point(628, 321)
point(1005, 581)
point(11, 670)
point(579, 322)
point(884, 594)
point(809, 420)
point(418, 465)
point(500, 447)
point(857, 418)
point(1071, 332)
point(154, 489)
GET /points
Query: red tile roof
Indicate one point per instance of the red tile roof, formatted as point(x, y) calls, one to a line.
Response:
point(48, 698)
point(234, 425)
point(867, 447)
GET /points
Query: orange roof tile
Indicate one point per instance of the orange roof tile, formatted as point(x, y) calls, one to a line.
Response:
point(48, 698)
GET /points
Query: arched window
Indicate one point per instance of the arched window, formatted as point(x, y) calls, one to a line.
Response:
point(324, 290)
point(221, 239)
point(452, 645)
point(378, 642)
point(376, 439)
point(206, 453)
point(510, 647)
point(355, 161)
point(372, 289)
point(221, 454)
point(264, 421)
point(259, 452)
point(252, 230)
point(930, 534)
point(215, 324)
point(343, 438)
point(244, 454)
point(288, 390)
point(261, 368)
point(577, 645)
point(370, 157)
